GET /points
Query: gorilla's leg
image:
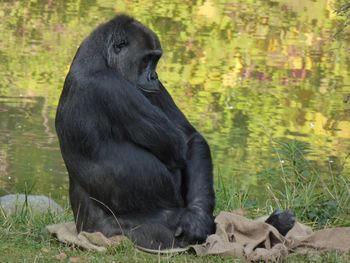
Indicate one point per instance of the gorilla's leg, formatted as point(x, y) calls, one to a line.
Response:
point(88, 214)
point(154, 230)
point(140, 197)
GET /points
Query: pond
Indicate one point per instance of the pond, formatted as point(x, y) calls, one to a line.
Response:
point(247, 73)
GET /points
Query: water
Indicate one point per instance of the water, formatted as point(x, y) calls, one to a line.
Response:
point(244, 72)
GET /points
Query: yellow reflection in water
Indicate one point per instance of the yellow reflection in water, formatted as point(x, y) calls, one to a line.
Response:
point(242, 71)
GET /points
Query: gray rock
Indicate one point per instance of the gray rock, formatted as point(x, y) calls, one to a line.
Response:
point(13, 203)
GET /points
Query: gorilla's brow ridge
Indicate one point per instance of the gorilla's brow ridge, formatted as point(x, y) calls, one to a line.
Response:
point(151, 36)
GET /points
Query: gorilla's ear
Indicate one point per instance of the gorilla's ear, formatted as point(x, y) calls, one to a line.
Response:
point(119, 44)
point(119, 40)
point(116, 41)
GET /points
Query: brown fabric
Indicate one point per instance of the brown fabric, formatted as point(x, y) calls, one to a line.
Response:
point(235, 236)
point(67, 233)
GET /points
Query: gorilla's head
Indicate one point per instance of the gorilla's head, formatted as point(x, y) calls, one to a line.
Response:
point(125, 45)
point(133, 50)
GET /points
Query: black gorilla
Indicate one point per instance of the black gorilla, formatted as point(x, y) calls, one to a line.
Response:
point(136, 165)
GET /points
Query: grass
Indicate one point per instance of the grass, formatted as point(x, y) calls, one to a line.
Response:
point(320, 199)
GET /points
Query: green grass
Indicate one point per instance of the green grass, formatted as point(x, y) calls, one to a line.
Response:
point(23, 238)
point(318, 198)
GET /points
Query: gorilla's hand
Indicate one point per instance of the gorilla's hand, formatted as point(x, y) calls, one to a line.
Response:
point(194, 227)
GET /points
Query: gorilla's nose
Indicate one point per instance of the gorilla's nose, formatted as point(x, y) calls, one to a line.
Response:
point(153, 76)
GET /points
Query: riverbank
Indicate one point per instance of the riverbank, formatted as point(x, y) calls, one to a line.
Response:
point(319, 199)
point(23, 238)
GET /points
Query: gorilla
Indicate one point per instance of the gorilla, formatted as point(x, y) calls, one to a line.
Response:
point(136, 165)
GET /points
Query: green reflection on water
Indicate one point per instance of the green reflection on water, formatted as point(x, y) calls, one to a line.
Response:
point(242, 71)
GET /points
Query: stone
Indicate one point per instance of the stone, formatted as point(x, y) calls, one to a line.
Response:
point(14, 203)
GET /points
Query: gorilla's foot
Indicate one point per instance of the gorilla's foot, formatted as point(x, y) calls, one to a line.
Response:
point(283, 221)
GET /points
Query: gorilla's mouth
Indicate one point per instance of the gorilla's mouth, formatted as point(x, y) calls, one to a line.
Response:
point(148, 90)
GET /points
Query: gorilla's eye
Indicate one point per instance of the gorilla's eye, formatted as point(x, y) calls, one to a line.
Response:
point(118, 46)
point(144, 62)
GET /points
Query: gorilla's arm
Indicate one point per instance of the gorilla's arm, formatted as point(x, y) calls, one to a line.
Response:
point(142, 123)
point(199, 192)
point(199, 178)
point(199, 174)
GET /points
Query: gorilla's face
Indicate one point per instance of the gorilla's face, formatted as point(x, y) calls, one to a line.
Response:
point(135, 53)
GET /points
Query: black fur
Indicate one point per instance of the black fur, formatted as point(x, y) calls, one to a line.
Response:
point(283, 221)
point(136, 165)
